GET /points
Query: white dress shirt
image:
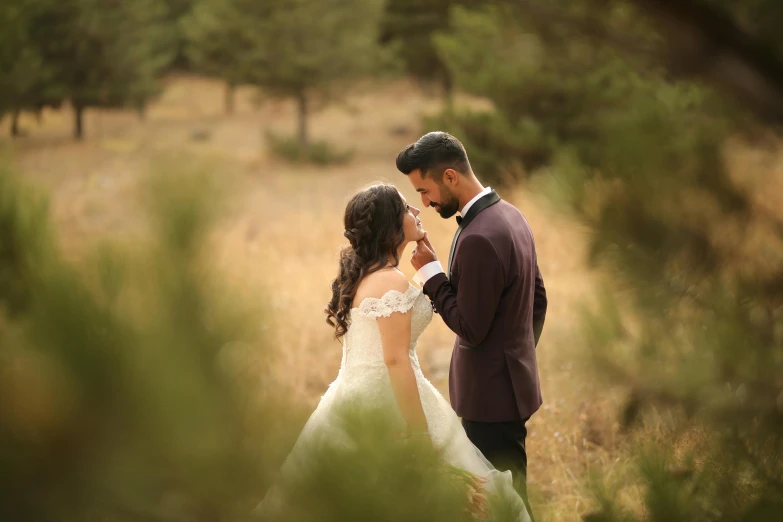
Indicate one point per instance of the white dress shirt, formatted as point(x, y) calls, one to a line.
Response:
point(434, 268)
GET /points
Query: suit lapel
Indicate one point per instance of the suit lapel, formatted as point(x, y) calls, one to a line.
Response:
point(480, 205)
point(453, 248)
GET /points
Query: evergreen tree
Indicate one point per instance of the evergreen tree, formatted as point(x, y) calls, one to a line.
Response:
point(549, 88)
point(310, 49)
point(178, 11)
point(103, 55)
point(26, 83)
point(410, 25)
point(690, 320)
point(219, 39)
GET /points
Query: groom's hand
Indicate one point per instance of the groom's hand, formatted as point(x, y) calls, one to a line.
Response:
point(423, 254)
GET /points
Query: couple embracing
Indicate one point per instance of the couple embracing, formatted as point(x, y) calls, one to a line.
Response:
point(489, 292)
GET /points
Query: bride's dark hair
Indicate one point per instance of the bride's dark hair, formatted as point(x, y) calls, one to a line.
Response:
point(374, 227)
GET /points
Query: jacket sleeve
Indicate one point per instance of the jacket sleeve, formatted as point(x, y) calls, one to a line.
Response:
point(539, 305)
point(469, 311)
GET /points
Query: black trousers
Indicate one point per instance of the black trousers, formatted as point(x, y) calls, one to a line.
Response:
point(503, 444)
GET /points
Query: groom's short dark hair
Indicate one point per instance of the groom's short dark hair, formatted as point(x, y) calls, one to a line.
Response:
point(434, 152)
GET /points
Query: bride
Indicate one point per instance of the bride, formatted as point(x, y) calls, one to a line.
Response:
point(379, 316)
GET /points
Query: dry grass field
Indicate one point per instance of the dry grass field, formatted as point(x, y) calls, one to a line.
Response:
point(280, 237)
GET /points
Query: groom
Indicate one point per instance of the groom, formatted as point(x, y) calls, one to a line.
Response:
point(491, 295)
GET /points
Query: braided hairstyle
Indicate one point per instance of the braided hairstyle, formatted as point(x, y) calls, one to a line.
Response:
point(374, 227)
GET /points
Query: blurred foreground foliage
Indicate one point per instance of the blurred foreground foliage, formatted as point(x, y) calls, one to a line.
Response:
point(119, 389)
point(690, 318)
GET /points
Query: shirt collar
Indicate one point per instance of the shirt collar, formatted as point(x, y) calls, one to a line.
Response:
point(470, 203)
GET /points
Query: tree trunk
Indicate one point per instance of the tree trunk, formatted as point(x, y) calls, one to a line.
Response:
point(15, 123)
point(229, 97)
point(303, 140)
point(78, 127)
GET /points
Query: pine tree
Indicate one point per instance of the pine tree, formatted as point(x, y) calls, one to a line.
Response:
point(689, 323)
point(698, 245)
point(103, 55)
point(306, 49)
point(548, 88)
point(177, 11)
point(26, 83)
point(219, 41)
point(410, 25)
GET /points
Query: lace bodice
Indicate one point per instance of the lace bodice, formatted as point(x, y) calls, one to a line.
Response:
point(364, 377)
point(362, 342)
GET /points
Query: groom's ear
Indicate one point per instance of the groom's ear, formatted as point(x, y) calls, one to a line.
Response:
point(450, 177)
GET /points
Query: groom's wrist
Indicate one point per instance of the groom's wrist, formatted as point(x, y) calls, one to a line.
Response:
point(428, 271)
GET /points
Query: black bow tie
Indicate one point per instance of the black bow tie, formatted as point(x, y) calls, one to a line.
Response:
point(459, 220)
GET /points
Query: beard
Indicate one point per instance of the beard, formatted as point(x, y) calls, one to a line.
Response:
point(448, 206)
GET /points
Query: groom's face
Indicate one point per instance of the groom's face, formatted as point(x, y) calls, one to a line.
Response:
point(435, 193)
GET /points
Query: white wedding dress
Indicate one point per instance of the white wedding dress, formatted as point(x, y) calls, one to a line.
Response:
point(364, 379)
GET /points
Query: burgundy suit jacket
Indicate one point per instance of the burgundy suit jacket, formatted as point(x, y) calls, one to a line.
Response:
point(494, 300)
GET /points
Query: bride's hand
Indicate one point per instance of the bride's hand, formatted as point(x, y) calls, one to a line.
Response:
point(477, 498)
point(475, 490)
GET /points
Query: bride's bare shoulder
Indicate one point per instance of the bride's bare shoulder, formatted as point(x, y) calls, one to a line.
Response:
point(380, 283)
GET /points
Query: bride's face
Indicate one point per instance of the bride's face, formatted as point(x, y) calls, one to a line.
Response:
point(411, 224)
